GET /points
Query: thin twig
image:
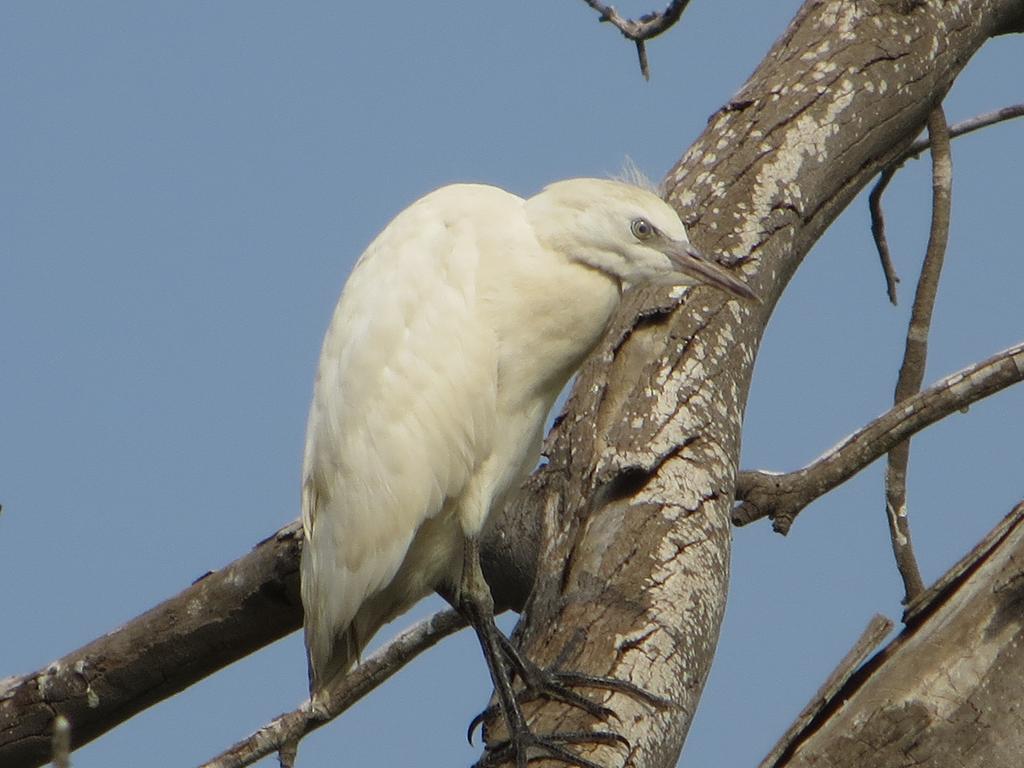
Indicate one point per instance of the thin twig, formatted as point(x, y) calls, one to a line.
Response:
point(878, 230)
point(285, 731)
point(965, 126)
point(648, 26)
point(915, 355)
point(782, 496)
point(913, 151)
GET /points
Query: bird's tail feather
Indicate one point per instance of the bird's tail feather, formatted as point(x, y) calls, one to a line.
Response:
point(349, 644)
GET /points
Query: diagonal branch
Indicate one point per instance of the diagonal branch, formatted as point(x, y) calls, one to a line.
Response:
point(284, 732)
point(873, 634)
point(782, 496)
point(224, 616)
point(648, 26)
point(915, 355)
point(965, 631)
point(780, 240)
point(964, 127)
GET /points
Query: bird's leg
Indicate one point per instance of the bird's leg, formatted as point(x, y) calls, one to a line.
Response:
point(552, 683)
point(475, 602)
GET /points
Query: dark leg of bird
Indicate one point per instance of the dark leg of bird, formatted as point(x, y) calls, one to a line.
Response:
point(551, 683)
point(477, 605)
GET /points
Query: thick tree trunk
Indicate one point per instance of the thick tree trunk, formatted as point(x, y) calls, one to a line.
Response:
point(633, 577)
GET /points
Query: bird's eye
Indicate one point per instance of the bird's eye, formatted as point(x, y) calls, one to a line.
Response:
point(642, 229)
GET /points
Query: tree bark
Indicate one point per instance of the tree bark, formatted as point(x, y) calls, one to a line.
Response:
point(224, 616)
point(946, 691)
point(633, 578)
point(219, 619)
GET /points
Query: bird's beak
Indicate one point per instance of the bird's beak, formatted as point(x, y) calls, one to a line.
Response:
point(691, 262)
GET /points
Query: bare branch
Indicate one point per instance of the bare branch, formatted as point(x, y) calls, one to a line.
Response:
point(915, 355)
point(173, 655)
point(648, 26)
point(782, 496)
point(915, 149)
point(869, 639)
point(891, 712)
point(964, 127)
point(284, 732)
point(878, 230)
point(222, 617)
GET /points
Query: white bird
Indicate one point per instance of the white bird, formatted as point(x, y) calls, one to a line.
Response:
point(457, 329)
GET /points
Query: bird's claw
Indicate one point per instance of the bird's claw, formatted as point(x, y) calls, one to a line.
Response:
point(574, 679)
point(557, 686)
point(552, 746)
point(552, 689)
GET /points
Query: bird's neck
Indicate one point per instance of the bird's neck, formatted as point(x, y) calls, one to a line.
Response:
point(554, 319)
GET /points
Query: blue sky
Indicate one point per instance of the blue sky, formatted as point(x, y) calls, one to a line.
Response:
point(183, 188)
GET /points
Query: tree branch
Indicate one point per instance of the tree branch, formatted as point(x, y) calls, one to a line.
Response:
point(915, 355)
point(878, 230)
point(873, 634)
point(782, 496)
point(635, 560)
point(648, 26)
point(912, 152)
point(224, 616)
point(946, 690)
point(637, 495)
point(964, 127)
point(285, 731)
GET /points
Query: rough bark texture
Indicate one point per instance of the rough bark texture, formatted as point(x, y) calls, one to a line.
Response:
point(636, 498)
point(633, 578)
point(947, 690)
point(224, 616)
point(221, 618)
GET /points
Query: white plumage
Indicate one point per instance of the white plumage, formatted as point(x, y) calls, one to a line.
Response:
point(455, 332)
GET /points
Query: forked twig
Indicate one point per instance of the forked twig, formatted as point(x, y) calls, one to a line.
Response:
point(648, 26)
point(914, 150)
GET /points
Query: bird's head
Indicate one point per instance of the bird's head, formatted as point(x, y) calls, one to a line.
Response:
point(629, 233)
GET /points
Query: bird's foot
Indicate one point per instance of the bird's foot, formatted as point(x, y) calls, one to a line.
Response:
point(504, 662)
point(549, 683)
point(524, 745)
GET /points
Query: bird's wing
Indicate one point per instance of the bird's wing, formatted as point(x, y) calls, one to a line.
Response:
point(403, 408)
